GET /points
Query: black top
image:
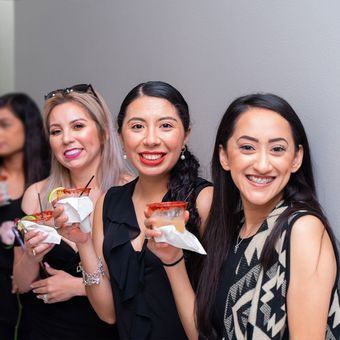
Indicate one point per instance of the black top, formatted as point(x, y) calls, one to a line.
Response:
point(8, 301)
point(72, 319)
point(9, 212)
point(226, 280)
point(145, 307)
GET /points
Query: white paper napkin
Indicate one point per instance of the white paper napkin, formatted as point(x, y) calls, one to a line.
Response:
point(78, 210)
point(53, 236)
point(185, 240)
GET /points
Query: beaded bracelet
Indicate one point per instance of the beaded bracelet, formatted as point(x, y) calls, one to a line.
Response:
point(173, 263)
point(94, 278)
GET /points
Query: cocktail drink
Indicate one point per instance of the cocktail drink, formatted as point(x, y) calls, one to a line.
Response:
point(42, 218)
point(169, 213)
point(60, 193)
point(77, 205)
point(4, 195)
point(29, 222)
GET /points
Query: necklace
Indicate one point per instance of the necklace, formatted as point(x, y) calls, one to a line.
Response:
point(238, 242)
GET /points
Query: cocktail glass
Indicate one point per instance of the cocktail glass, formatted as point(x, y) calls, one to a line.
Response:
point(169, 213)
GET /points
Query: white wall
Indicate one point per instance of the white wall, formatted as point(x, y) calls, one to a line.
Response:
point(212, 51)
point(6, 46)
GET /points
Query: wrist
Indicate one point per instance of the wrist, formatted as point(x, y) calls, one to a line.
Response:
point(172, 264)
point(79, 287)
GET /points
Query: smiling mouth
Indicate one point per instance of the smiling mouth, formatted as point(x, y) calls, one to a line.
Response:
point(152, 156)
point(260, 180)
point(73, 153)
point(152, 159)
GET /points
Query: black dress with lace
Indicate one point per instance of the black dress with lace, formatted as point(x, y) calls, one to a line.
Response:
point(145, 306)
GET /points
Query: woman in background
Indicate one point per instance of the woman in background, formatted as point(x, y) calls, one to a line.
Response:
point(24, 160)
point(83, 143)
point(272, 266)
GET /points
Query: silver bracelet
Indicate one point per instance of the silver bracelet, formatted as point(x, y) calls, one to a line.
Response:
point(94, 278)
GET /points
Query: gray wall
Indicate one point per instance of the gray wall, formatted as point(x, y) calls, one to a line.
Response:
point(212, 51)
point(6, 46)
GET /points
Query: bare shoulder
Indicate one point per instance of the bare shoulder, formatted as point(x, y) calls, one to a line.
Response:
point(30, 202)
point(126, 178)
point(99, 203)
point(98, 215)
point(311, 247)
point(308, 224)
point(97, 228)
point(203, 204)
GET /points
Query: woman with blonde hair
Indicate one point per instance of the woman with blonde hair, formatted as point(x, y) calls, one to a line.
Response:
point(84, 144)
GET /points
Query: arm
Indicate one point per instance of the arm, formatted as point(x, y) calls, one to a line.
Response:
point(182, 290)
point(312, 277)
point(203, 204)
point(26, 266)
point(99, 295)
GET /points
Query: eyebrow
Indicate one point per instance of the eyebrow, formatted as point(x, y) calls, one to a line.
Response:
point(272, 140)
point(71, 122)
point(158, 120)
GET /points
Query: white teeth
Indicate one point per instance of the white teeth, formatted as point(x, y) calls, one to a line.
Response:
point(152, 157)
point(260, 180)
point(72, 152)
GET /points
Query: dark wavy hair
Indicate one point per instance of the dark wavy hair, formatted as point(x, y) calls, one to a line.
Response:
point(36, 148)
point(184, 174)
point(226, 213)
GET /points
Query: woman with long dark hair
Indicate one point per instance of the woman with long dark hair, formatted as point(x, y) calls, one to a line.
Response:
point(24, 159)
point(271, 269)
point(125, 282)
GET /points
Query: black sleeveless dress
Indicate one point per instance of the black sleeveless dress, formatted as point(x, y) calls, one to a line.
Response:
point(8, 302)
point(73, 319)
point(145, 307)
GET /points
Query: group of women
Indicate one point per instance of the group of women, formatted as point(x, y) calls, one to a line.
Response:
point(271, 269)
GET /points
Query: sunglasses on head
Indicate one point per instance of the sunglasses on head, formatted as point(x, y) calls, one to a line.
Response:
point(80, 88)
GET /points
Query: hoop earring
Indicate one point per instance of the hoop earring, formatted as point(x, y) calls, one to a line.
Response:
point(182, 152)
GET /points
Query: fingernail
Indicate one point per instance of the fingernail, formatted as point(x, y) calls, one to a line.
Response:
point(46, 265)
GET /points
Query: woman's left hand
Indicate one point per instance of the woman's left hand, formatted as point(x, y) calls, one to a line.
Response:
point(6, 233)
point(60, 286)
point(164, 251)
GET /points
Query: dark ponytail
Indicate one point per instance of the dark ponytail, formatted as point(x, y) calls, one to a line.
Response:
point(182, 183)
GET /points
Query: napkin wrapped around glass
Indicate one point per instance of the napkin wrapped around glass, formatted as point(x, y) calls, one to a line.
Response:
point(53, 236)
point(78, 210)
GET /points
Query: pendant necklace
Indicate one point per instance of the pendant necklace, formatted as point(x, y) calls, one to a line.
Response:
point(238, 242)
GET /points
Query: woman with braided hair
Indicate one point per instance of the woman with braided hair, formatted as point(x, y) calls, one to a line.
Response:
point(125, 282)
